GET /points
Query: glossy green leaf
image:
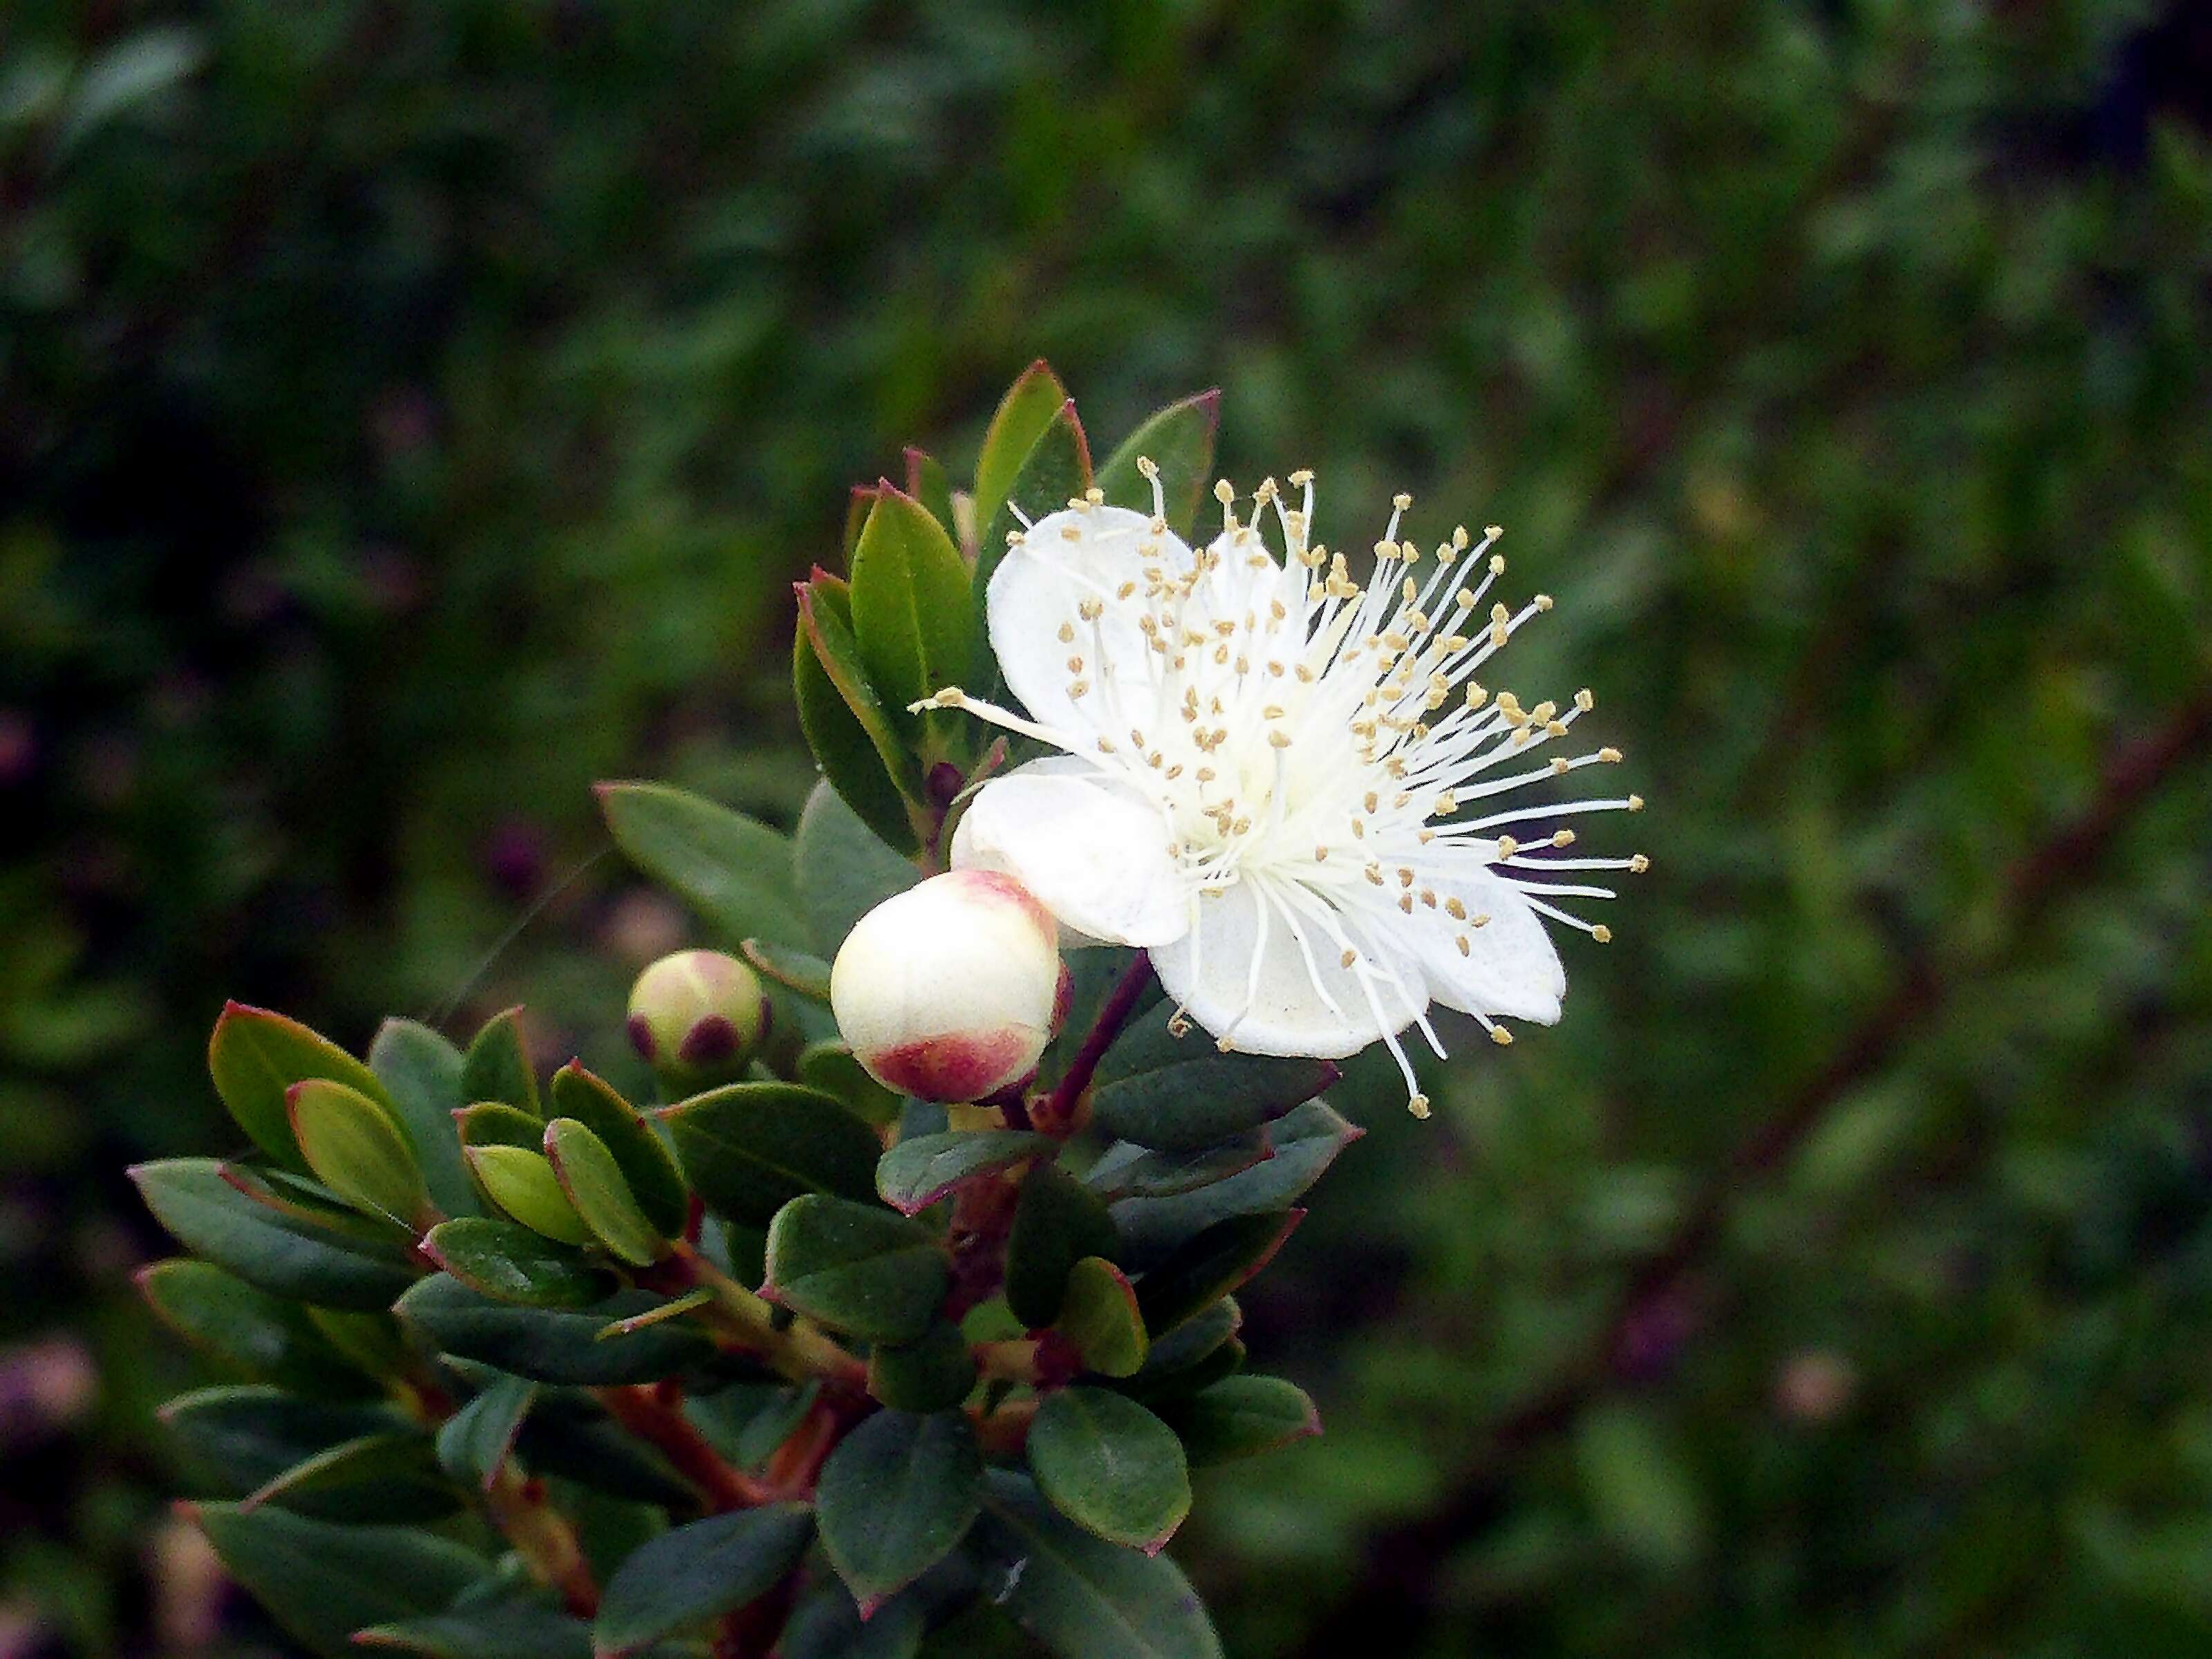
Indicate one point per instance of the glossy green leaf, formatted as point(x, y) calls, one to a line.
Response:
point(844, 870)
point(646, 1166)
point(1179, 440)
point(910, 610)
point(1082, 1597)
point(522, 1183)
point(1128, 1170)
point(1302, 1147)
point(853, 737)
point(750, 1148)
point(934, 1372)
point(551, 1345)
point(928, 482)
point(734, 871)
point(323, 1582)
point(1180, 1361)
point(1099, 1315)
point(356, 1148)
point(1241, 1417)
point(497, 1064)
point(1032, 405)
point(1210, 1264)
point(831, 1067)
point(826, 1625)
point(475, 1441)
point(422, 1073)
point(1057, 1223)
point(1056, 469)
point(1182, 1093)
point(599, 1194)
point(490, 1630)
point(794, 969)
point(856, 1267)
point(334, 1261)
point(568, 1436)
point(255, 1057)
point(916, 1173)
point(491, 1123)
point(511, 1263)
point(389, 1478)
point(896, 1497)
point(1109, 1465)
point(231, 1440)
point(698, 1572)
point(269, 1338)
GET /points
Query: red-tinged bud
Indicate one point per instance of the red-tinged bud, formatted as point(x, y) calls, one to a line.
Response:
point(697, 1018)
point(949, 990)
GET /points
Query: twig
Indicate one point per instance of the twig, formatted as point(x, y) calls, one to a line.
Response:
point(541, 1536)
point(1389, 1606)
point(1055, 1115)
point(659, 1420)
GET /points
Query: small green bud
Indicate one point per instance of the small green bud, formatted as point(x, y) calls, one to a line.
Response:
point(697, 1018)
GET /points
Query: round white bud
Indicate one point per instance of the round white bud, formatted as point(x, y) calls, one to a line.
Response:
point(951, 990)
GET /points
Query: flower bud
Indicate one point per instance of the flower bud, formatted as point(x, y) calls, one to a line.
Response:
point(951, 990)
point(697, 1018)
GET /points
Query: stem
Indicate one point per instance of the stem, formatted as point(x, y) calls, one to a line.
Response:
point(1056, 1113)
point(541, 1536)
point(798, 1353)
point(653, 1415)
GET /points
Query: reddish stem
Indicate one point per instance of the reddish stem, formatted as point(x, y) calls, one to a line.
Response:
point(1056, 1113)
point(653, 1415)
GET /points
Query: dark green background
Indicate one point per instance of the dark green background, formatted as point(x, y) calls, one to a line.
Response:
point(411, 413)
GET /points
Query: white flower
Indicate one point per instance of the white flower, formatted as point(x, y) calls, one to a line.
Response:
point(1273, 777)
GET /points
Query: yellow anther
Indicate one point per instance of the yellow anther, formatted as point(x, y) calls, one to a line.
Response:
point(1401, 501)
point(1302, 477)
point(1584, 700)
point(1502, 1037)
point(1507, 847)
point(1456, 908)
point(1562, 838)
point(1601, 933)
point(1224, 491)
point(1465, 948)
point(1542, 602)
point(1418, 1106)
point(1639, 864)
point(1147, 467)
point(1280, 739)
point(1609, 755)
point(1635, 803)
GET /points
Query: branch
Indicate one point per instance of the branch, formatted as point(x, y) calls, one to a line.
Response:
point(1387, 1606)
point(541, 1536)
point(1055, 1115)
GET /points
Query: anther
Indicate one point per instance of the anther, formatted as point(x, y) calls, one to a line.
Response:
point(1601, 933)
point(1639, 864)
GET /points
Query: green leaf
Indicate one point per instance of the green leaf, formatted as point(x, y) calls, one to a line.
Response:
point(1099, 1315)
point(1302, 1147)
point(522, 1182)
point(1055, 469)
point(827, 1625)
point(831, 1067)
point(231, 1440)
point(1179, 439)
point(1184, 1356)
point(497, 1065)
point(896, 1498)
point(915, 1174)
point(933, 1373)
point(1128, 1170)
point(851, 734)
point(475, 1441)
point(1241, 1417)
point(654, 1179)
point(1110, 1466)
point(1080, 1596)
point(792, 969)
point(1057, 1223)
point(734, 871)
point(844, 870)
point(1181, 1094)
point(324, 1260)
point(1030, 405)
point(551, 1345)
point(750, 1148)
point(856, 1268)
point(392, 1477)
point(910, 609)
point(595, 1186)
point(422, 1073)
point(356, 1148)
point(323, 1582)
point(569, 1438)
point(698, 1572)
point(492, 1630)
point(266, 1337)
point(255, 1057)
point(925, 481)
point(1210, 1264)
point(489, 1123)
point(509, 1263)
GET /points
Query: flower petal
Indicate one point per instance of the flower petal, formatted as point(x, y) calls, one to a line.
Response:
point(1511, 968)
point(1304, 1001)
point(1064, 559)
point(1093, 852)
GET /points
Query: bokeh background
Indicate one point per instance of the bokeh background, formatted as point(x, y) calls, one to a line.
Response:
point(409, 413)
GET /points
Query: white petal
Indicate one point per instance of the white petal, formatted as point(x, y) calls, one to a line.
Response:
point(1511, 968)
point(1036, 592)
point(1304, 1001)
point(1093, 852)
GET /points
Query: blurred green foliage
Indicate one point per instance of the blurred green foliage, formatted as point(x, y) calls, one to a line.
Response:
point(411, 413)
